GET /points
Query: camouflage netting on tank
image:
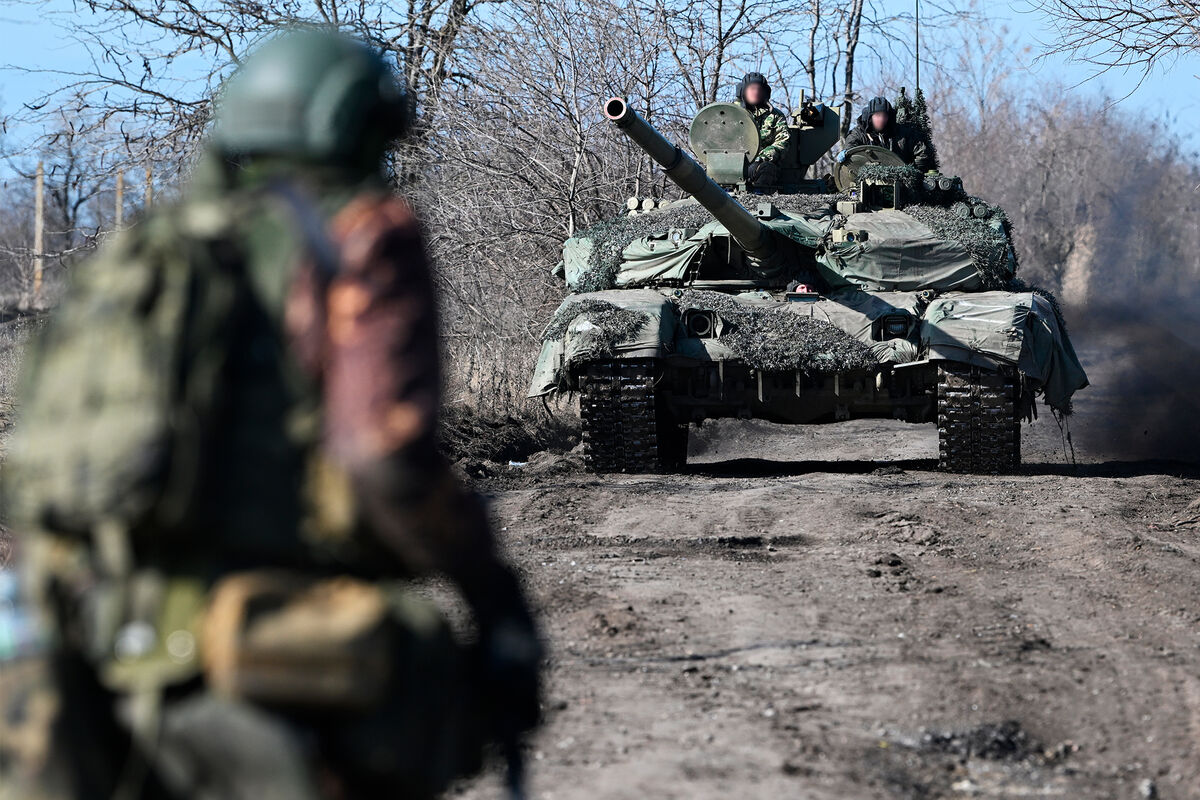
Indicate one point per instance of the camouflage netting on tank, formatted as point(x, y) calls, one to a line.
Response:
point(614, 324)
point(907, 176)
point(793, 203)
point(983, 241)
point(986, 244)
point(611, 237)
point(776, 340)
point(918, 191)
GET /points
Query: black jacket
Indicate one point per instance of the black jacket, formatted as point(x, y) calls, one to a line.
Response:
point(905, 141)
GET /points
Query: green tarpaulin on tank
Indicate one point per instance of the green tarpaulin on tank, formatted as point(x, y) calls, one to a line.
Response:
point(1017, 328)
point(583, 340)
point(986, 328)
point(576, 253)
point(654, 258)
point(856, 311)
point(650, 259)
point(899, 254)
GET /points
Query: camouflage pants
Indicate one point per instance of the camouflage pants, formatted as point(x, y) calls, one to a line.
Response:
point(62, 737)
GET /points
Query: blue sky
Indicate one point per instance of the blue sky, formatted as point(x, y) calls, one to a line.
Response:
point(33, 39)
point(1169, 94)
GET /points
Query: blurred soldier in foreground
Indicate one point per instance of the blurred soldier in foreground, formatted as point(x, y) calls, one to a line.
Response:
point(754, 93)
point(877, 125)
point(227, 456)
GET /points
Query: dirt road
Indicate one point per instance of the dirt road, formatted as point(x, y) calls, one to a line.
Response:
point(818, 613)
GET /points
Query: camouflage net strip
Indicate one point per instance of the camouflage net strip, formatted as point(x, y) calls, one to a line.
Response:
point(907, 176)
point(792, 203)
point(614, 324)
point(779, 341)
point(919, 190)
point(611, 237)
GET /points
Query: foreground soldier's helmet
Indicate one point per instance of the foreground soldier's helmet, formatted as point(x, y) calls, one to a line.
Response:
point(312, 95)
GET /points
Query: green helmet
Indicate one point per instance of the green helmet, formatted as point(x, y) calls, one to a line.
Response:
point(312, 95)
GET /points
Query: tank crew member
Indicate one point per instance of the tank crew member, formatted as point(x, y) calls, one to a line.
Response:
point(754, 93)
point(227, 597)
point(877, 125)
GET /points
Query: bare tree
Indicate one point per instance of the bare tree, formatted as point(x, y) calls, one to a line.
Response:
point(138, 45)
point(1122, 33)
point(1075, 176)
point(705, 37)
point(81, 156)
point(522, 160)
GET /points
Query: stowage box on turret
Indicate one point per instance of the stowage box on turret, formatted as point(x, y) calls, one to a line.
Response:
point(890, 293)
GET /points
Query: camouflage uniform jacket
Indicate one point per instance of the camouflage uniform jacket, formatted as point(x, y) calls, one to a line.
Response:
point(773, 132)
point(335, 372)
point(322, 455)
point(333, 364)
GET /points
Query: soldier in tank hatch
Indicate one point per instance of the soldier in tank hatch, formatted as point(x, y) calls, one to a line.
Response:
point(754, 94)
point(877, 125)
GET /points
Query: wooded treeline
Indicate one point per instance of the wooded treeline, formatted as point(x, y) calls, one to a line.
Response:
point(512, 155)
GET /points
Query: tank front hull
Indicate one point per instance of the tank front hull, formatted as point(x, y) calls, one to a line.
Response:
point(971, 363)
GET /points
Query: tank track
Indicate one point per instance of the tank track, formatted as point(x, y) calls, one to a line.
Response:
point(626, 427)
point(979, 430)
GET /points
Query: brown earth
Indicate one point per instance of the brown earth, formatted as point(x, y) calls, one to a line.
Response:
point(818, 613)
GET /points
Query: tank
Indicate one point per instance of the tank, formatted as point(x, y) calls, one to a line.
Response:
point(874, 291)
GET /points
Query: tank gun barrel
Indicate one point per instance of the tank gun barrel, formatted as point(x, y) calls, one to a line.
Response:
point(751, 235)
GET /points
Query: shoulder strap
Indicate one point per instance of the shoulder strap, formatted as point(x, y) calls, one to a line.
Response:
point(310, 225)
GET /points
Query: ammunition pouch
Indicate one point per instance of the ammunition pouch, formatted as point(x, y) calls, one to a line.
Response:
point(286, 640)
point(377, 672)
point(272, 638)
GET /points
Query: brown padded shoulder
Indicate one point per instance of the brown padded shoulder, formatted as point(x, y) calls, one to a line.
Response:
point(373, 215)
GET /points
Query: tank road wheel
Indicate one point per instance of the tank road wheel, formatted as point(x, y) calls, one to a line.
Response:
point(978, 427)
point(627, 427)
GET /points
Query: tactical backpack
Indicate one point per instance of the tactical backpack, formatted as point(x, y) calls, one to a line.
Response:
point(119, 389)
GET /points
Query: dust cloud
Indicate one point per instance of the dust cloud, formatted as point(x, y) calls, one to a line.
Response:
point(1142, 354)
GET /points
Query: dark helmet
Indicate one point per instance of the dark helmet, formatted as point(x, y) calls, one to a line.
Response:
point(877, 104)
point(313, 95)
point(753, 77)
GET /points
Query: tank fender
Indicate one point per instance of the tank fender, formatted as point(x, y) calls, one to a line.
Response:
point(619, 324)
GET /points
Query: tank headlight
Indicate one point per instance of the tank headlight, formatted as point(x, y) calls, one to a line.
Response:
point(700, 324)
point(893, 326)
